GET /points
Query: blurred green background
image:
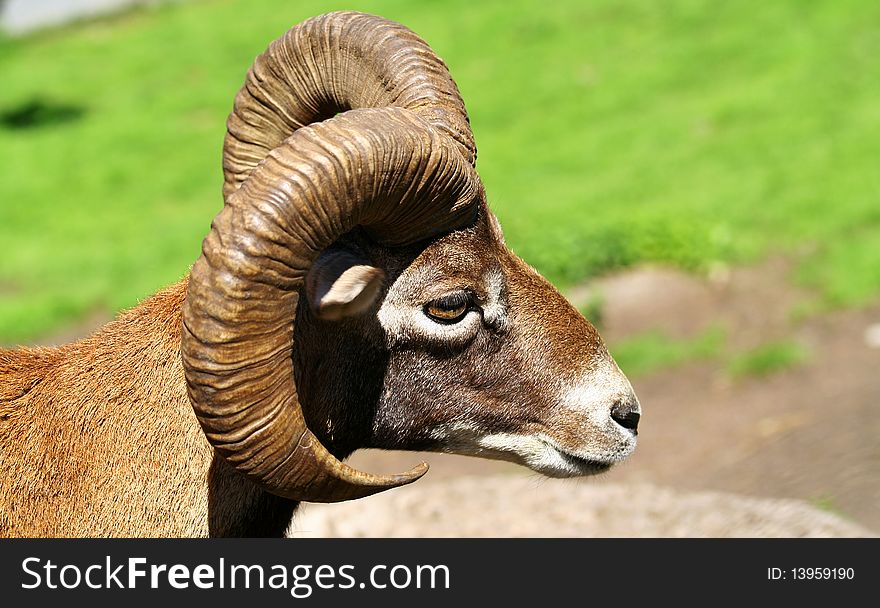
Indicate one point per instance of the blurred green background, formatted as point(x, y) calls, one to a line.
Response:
point(692, 132)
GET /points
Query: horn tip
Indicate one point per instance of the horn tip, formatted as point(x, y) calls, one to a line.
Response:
point(414, 474)
point(401, 479)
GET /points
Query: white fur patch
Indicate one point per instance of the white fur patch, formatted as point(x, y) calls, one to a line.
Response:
point(594, 395)
point(494, 310)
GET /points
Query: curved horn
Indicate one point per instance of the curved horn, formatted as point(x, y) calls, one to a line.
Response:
point(328, 65)
point(385, 169)
point(237, 335)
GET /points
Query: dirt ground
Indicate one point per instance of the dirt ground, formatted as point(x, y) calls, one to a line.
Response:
point(808, 433)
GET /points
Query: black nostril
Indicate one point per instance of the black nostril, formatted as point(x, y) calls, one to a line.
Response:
point(626, 414)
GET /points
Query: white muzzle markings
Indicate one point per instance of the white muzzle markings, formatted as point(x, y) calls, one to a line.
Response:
point(579, 438)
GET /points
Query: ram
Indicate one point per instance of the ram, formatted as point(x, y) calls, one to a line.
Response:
point(355, 291)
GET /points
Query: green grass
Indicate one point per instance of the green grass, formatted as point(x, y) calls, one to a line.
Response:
point(827, 503)
point(654, 351)
point(767, 359)
point(610, 132)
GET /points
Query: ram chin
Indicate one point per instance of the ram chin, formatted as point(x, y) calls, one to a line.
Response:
point(544, 455)
point(536, 451)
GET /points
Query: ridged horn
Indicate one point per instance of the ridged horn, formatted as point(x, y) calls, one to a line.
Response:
point(404, 172)
point(330, 64)
point(385, 169)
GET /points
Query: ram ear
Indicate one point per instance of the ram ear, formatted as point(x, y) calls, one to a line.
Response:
point(341, 284)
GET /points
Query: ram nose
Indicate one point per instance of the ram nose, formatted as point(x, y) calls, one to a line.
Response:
point(626, 412)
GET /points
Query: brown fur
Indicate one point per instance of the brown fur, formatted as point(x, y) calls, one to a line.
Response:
point(98, 438)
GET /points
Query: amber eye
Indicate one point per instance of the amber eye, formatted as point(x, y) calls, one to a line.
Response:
point(448, 309)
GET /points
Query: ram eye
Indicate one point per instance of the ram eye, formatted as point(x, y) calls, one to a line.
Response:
point(448, 309)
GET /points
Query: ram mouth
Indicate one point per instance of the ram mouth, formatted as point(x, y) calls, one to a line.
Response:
point(584, 466)
point(569, 464)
